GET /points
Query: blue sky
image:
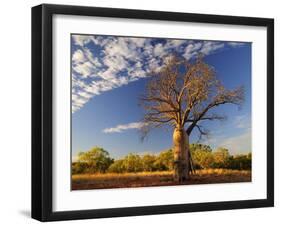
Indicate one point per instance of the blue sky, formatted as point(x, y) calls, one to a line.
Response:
point(109, 75)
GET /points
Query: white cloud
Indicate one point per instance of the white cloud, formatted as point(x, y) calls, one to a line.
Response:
point(138, 42)
point(204, 47)
point(159, 50)
point(81, 40)
point(91, 58)
point(117, 54)
point(84, 63)
point(115, 62)
point(78, 101)
point(122, 47)
point(97, 87)
point(210, 46)
point(78, 57)
point(236, 44)
point(121, 60)
point(191, 50)
point(100, 41)
point(174, 43)
point(154, 64)
point(85, 68)
point(123, 127)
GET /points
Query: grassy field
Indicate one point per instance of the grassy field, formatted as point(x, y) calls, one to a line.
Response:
point(145, 179)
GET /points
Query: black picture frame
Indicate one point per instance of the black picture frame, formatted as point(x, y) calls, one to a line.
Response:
point(42, 107)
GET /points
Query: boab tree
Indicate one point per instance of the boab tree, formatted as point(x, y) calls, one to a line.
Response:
point(181, 95)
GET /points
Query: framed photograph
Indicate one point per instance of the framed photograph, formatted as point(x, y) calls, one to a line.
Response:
point(146, 112)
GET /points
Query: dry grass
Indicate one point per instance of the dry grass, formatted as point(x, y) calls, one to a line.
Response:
point(221, 172)
point(161, 178)
point(104, 176)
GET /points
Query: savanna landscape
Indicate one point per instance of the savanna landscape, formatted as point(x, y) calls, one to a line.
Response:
point(159, 112)
point(95, 169)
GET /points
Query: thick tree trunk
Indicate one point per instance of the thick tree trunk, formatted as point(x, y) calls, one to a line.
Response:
point(181, 156)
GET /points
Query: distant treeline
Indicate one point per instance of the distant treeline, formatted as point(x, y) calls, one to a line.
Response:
point(98, 160)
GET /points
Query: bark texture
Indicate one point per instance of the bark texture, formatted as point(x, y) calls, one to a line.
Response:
point(181, 161)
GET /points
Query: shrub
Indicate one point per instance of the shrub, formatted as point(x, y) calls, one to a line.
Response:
point(132, 163)
point(148, 162)
point(240, 162)
point(164, 161)
point(117, 166)
point(97, 158)
point(221, 158)
point(79, 167)
point(202, 156)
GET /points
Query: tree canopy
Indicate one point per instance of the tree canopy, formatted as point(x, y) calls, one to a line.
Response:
point(183, 93)
point(97, 159)
point(203, 156)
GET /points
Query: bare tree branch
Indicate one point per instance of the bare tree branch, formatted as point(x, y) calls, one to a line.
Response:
point(184, 92)
point(227, 97)
point(202, 131)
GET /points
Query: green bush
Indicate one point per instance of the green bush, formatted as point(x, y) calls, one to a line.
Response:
point(164, 161)
point(132, 163)
point(202, 156)
point(240, 162)
point(117, 166)
point(79, 167)
point(148, 162)
point(98, 160)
